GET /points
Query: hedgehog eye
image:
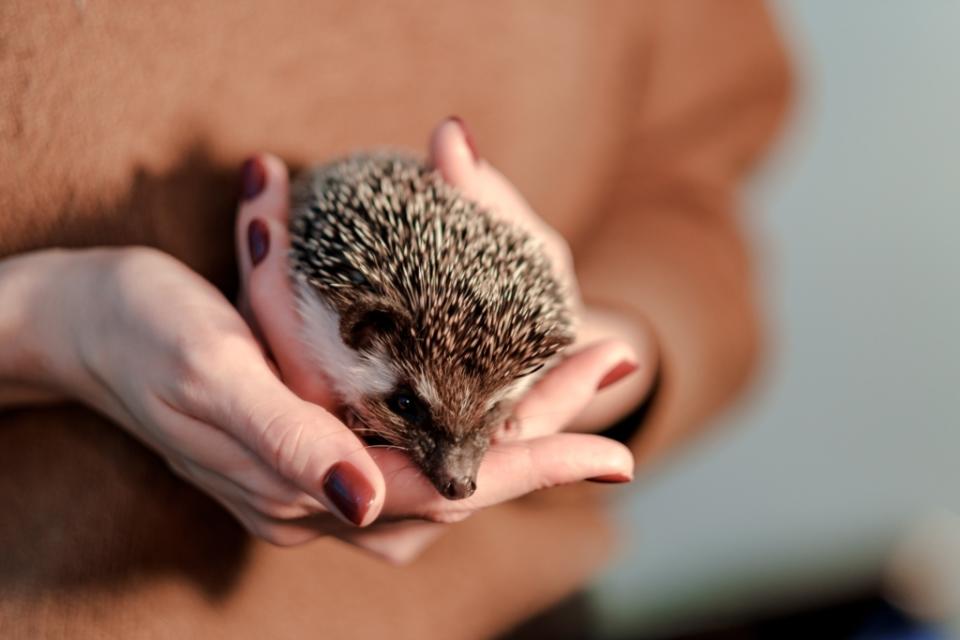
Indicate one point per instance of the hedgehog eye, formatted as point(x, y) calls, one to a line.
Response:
point(406, 405)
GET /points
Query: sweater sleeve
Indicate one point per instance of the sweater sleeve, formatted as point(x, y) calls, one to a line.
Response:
point(706, 103)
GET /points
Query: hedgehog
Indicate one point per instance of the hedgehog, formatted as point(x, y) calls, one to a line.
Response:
point(428, 316)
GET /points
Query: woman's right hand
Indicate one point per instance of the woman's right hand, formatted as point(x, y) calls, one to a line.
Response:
point(139, 336)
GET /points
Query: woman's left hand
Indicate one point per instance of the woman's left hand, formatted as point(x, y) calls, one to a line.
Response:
point(453, 152)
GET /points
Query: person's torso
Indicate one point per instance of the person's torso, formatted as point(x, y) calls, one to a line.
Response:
point(122, 124)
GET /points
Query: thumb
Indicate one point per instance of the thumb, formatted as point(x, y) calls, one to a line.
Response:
point(304, 443)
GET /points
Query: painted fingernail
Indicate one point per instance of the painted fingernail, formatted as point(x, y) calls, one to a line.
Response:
point(254, 178)
point(611, 478)
point(619, 372)
point(467, 136)
point(258, 239)
point(349, 491)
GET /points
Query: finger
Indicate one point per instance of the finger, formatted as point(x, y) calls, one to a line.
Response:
point(566, 389)
point(551, 461)
point(453, 153)
point(263, 248)
point(509, 471)
point(277, 500)
point(192, 445)
point(302, 442)
point(239, 506)
point(265, 197)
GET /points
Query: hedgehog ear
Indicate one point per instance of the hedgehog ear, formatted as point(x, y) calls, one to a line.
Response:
point(363, 324)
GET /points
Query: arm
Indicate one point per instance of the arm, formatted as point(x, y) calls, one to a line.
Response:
point(25, 374)
point(137, 335)
point(669, 252)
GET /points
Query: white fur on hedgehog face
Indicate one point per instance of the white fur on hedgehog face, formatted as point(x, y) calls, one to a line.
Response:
point(354, 375)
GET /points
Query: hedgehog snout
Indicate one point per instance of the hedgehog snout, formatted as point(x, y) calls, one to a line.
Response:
point(453, 468)
point(459, 488)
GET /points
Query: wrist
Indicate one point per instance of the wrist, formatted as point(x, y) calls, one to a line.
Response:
point(29, 343)
point(51, 300)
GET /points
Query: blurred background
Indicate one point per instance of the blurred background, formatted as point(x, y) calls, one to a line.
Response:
point(838, 476)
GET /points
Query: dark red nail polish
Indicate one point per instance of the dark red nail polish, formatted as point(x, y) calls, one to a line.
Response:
point(349, 491)
point(467, 136)
point(258, 240)
point(612, 478)
point(254, 178)
point(616, 374)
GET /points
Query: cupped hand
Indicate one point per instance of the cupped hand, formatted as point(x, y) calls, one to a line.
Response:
point(531, 454)
point(156, 347)
point(454, 154)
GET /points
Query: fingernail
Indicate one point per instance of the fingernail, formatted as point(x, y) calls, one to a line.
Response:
point(258, 239)
point(467, 136)
point(349, 491)
point(619, 372)
point(254, 178)
point(612, 478)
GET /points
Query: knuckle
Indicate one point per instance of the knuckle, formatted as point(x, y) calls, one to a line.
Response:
point(190, 366)
point(201, 352)
point(195, 350)
point(281, 443)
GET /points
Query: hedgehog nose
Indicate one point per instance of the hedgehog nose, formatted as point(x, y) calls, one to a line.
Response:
point(459, 488)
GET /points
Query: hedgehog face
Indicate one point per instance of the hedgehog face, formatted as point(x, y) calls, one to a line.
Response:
point(447, 448)
point(444, 403)
point(393, 395)
point(439, 405)
point(444, 427)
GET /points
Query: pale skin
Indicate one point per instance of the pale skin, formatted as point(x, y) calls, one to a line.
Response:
point(140, 337)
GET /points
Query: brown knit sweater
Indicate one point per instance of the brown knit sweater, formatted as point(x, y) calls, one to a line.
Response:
point(628, 126)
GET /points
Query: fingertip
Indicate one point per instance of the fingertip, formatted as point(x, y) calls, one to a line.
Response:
point(453, 151)
point(265, 186)
point(353, 494)
point(618, 372)
point(279, 176)
point(606, 362)
point(262, 212)
point(307, 446)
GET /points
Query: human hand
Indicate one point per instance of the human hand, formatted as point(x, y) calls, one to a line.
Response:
point(145, 340)
point(453, 152)
point(513, 467)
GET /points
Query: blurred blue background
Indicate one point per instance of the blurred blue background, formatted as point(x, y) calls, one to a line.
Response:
point(849, 434)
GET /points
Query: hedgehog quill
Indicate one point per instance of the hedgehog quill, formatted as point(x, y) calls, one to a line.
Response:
point(428, 316)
